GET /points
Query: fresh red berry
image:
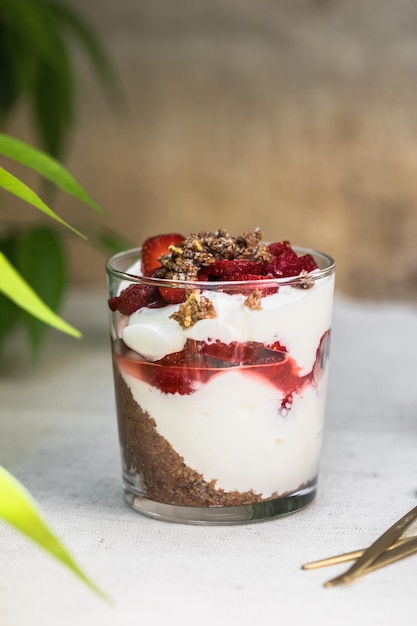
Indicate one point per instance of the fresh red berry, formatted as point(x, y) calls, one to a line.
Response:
point(276, 347)
point(183, 378)
point(154, 247)
point(174, 380)
point(133, 298)
point(234, 352)
point(278, 247)
point(249, 353)
point(249, 284)
point(226, 269)
point(113, 303)
point(279, 264)
point(307, 262)
point(173, 295)
point(286, 263)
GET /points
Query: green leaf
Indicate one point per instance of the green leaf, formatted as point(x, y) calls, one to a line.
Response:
point(9, 91)
point(18, 508)
point(47, 167)
point(40, 259)
point(16, 288)
point(54, 98)
point(8, 310)
point(31, 26)
point(91, 43)
point(15, 186)
point(8, 316)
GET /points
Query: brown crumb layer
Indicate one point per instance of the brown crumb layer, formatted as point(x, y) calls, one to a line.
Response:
point(165, 476)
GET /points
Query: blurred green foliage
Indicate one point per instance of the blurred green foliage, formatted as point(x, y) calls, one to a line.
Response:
point(39, 40)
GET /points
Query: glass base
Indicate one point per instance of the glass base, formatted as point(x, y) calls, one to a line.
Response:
point(243, 514)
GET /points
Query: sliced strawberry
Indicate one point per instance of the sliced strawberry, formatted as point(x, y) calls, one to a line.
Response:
point(276, 347)
point(168, 378)
point(113, 303)
point(133, 298)
point(235, 353)
point(226, 269)
point(278, 247)
point(307, 262)
point(249, 284)
point(267, 291)
point(154, 247)
point(288, 264)
point(175, 358)
point(287, 257)
point(173, 295)
point(174, 379)
point(183, 378)
point(203, 274)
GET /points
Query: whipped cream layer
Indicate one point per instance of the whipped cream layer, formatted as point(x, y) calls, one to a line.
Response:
point(295, 317)
point(232, 430)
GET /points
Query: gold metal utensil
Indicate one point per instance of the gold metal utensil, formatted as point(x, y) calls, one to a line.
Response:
point(397, 551)
point(347, 556)
point(375, 550)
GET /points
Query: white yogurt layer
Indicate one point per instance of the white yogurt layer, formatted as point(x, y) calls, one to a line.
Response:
point(232, 430)
point(297, 318)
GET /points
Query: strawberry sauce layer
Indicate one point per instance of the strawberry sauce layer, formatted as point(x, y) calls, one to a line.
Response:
point(184, 372)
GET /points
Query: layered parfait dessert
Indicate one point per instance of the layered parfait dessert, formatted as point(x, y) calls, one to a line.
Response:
point(220, 348)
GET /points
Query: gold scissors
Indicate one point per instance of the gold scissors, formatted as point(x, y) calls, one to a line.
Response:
point(388, 548)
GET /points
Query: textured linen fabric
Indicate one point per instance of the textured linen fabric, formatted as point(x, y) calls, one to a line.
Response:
point(58, 435)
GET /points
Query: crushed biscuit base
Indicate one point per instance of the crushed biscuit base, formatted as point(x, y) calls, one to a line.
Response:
point(194, 309)
point(163, 473)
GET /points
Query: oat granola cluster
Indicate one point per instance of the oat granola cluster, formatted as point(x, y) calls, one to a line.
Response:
point(194, 309)
point(186, 259)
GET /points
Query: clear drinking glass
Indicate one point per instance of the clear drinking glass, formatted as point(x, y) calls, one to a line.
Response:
point(221, 418)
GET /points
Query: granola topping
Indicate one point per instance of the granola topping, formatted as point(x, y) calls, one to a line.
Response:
point(212, 257)
point(188, 258)
point(305, 281)
point(194, 309)
point(253, 301)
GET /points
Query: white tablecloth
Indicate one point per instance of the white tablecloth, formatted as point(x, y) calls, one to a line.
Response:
point(58, 436)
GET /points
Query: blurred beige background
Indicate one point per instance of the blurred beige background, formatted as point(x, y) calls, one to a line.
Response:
point(298, 116)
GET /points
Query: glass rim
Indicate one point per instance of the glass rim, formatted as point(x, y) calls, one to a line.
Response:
point(327, 270)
